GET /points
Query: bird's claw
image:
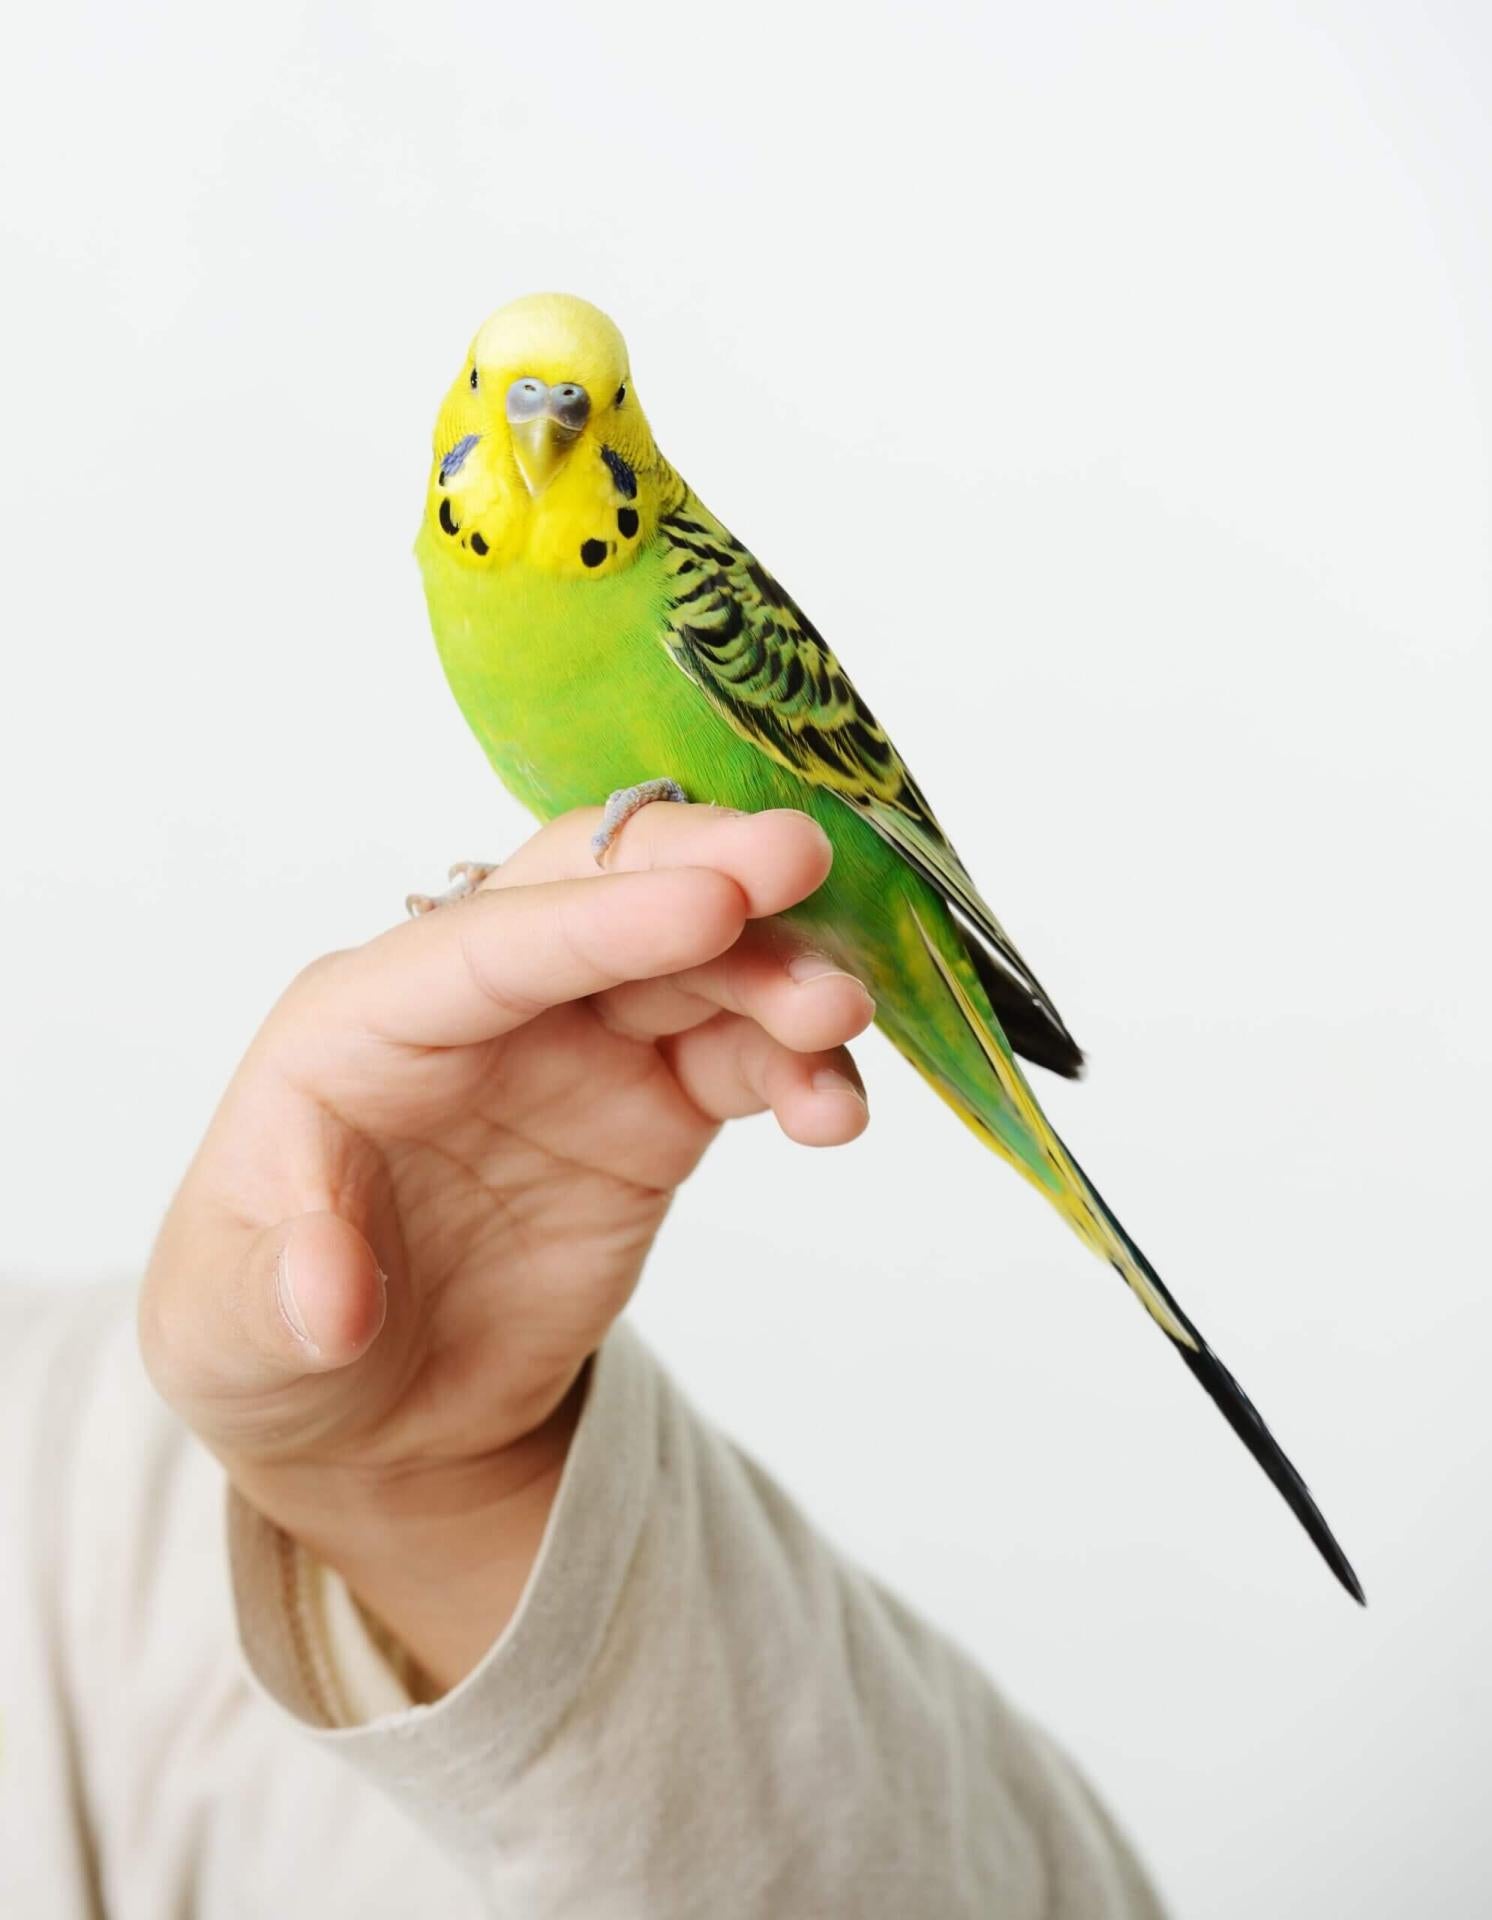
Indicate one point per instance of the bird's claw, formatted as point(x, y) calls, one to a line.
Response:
point(466, 876)
point(621, 805)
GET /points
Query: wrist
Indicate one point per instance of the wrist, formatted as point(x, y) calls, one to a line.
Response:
point(438, 1552)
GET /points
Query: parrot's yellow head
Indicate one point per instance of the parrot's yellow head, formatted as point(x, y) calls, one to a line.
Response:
point(541, 451)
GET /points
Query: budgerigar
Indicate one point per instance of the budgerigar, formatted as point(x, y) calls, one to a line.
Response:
point(605, 635)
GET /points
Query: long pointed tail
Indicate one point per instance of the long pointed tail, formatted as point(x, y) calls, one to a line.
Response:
point(1085, 1210)
point(1237, 1409)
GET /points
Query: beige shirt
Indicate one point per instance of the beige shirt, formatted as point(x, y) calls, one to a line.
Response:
point(698, 1709)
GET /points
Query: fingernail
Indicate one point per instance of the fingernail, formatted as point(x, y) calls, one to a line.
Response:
point(285, 1299)
point(804, 967)
point(383, 1301)
point(830, 1080)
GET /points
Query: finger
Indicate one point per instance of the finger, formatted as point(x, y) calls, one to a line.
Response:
point(798, 995)
point(776, 858)
point(302, 1297)
point(731, 1068)
point(475, 971)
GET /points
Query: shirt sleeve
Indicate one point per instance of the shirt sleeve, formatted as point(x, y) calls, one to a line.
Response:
point(697, 1708)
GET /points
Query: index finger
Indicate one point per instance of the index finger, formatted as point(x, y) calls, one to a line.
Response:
point(776, 858)
point(475, 971)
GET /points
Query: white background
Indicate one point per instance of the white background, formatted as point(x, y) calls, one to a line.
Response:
point(1114, 387)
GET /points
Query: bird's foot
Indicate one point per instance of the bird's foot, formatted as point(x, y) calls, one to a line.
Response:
point(466, 876)
point(621, 806)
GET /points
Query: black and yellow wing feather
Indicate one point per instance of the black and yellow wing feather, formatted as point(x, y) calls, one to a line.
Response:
point(749, 646)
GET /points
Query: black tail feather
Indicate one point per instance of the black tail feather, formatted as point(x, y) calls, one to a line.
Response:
point(1245, 1419)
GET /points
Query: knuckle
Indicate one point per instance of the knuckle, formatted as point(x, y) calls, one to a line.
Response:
point(583, 944)
point(313, 975)
point(716, 907)
point(484, 969)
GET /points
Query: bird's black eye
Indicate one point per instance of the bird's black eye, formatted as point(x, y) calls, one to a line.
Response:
point(473, 379)
point(621, 394)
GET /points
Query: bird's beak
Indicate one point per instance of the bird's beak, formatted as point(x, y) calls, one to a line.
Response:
point(539, 447)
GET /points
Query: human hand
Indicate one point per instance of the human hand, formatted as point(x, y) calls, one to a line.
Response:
point(430, 1188)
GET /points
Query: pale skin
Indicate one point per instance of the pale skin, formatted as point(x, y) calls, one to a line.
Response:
point(432, 1184)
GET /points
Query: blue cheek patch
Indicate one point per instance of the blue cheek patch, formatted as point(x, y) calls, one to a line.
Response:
point(621, 473)
point(456, 458)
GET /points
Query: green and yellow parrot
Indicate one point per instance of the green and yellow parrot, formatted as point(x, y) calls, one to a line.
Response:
point(604, 633)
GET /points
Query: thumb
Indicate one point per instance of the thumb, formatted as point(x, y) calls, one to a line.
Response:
point(326, 1293)
point(300, 1298)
